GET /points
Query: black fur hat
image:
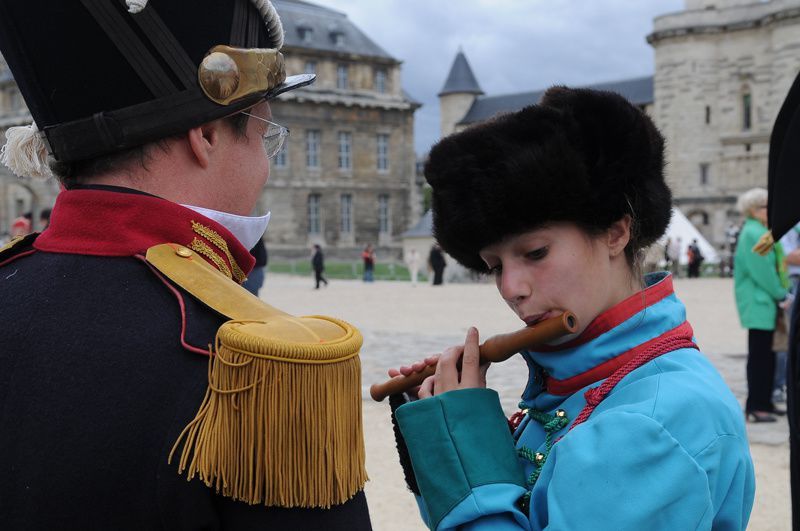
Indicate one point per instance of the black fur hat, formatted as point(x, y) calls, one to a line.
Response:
point(584, 156)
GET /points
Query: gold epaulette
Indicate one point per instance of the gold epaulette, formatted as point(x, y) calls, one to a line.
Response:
point(281, 420)
point(17, 245)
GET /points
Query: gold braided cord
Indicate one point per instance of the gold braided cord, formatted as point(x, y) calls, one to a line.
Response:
point(201, 247)
point(282, 434)
point(764, 244)
point(218, 241)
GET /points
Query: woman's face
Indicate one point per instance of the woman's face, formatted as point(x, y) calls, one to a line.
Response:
point(543, 272)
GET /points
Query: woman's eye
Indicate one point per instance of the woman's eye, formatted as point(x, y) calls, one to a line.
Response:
point(537, 254)
point(496, 270)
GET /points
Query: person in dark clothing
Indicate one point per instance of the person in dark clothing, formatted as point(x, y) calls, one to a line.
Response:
point(142, 387)
point(256, 277)
point(696, 259)
point(318, 265)
point(437, 263)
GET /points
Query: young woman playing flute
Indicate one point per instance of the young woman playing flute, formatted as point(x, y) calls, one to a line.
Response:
point(624, 424)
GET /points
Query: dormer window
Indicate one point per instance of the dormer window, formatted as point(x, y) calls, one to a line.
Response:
point(337, 35)
point(305, 31)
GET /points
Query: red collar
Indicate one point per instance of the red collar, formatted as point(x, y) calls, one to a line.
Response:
point(617, 314)
point(114, 223)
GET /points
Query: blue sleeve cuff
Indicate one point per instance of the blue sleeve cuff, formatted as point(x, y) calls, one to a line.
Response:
point(458, 441)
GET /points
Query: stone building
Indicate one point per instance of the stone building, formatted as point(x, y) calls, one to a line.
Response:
point(346, 176)
point(722, 69)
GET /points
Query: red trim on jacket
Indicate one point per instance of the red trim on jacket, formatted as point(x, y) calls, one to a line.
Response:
point(181, 303)
point(20, 255)
point(575, 383)
point(617, 314)
point(110, 223)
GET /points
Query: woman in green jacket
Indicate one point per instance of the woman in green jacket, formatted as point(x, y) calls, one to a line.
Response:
point(758, 289)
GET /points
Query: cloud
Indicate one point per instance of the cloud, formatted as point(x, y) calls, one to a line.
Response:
point(512, 45)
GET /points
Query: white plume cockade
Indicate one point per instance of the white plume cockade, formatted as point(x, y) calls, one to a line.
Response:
point(135, 6)
point(25, 153)
point(265, 8)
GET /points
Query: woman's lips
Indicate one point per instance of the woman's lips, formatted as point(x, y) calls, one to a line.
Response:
point(533, 319)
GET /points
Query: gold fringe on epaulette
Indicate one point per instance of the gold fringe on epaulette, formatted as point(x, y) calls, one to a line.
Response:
point(280, 424)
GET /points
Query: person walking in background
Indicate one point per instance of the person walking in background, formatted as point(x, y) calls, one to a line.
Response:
point(368, 256)
point(437, 263)
point(412, 261)
point(696, 259)
point(758, 290)
point(44, 218)
point(22, 225)
point(255, 279)
point(674, 256)
point(318, 265)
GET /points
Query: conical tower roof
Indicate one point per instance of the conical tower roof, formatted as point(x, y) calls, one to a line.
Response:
point(461, 80)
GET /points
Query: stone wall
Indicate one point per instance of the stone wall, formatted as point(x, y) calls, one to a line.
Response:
point(710, 65)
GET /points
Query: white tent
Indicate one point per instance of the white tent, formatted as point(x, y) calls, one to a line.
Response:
point(681, 227)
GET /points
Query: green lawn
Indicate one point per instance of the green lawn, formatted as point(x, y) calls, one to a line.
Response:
point(345, 270)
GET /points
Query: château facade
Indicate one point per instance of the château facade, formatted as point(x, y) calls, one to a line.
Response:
point(722, 70)
point(346, 175)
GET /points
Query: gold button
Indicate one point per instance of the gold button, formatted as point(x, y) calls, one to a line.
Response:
point(538, 457)
point(183, 251)
point(561, 413)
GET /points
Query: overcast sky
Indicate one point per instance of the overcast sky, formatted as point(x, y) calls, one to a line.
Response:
point(512, 45)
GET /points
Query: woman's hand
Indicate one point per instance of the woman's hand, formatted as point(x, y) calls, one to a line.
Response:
point(407, 370)
point(448, 376)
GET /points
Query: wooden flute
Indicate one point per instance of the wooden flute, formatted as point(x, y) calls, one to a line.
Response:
point(495, 349)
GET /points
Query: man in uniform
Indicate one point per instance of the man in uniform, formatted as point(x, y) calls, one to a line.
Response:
point(155, 119)
point(783, 215)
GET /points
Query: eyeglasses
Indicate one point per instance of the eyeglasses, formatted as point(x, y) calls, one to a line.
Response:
point(273, 137)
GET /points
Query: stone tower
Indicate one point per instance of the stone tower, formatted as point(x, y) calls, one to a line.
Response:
point(722, 69)
point(458, 94)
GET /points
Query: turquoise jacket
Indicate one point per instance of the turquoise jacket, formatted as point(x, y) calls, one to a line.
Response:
point(756, 281)
point(666, 449)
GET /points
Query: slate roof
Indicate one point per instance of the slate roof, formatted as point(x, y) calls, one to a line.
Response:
point(638, 91)
point(461, 79)
point(298, 16)
point(424, 228)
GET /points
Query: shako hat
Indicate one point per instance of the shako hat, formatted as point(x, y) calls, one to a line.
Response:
point(583, 156)
point(100, 76)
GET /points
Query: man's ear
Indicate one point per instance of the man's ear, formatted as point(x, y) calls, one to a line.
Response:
point(619, 235)
point(202, 141)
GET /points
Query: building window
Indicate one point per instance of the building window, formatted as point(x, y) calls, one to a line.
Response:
point(341, 77)
point(383, 152)
point(383, 213)
point(747, 111)
point(312, 148)
point(346, 220)
point(708, 114)
point(704, 173)
point(380, 80)
point(337, 37)
point(311, 67)
point(306, 32)
point(314, 218)
point(345, 146)
point(282, 158)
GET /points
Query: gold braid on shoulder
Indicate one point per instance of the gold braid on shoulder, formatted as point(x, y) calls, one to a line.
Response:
point(280, 423)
